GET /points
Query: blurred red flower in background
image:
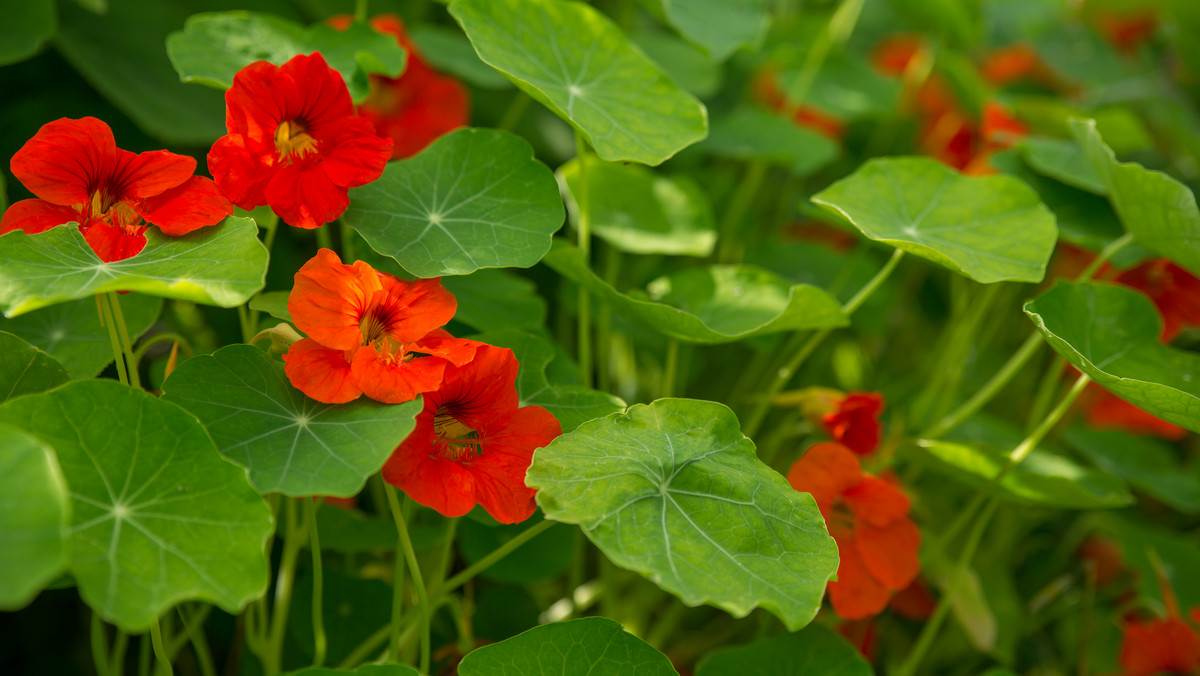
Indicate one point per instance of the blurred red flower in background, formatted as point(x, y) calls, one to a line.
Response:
point(1175, 292)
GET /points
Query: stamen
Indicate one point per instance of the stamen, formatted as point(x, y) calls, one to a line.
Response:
point(292, 140)
point(455, 441)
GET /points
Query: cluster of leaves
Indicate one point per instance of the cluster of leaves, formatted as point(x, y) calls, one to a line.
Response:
point(695, 198)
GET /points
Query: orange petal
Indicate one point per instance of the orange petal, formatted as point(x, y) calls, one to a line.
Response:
point(876, 501)
point(320, 372)
point(890, 553)
point(855, 594)
point(393, 381)
point(826, 470)
point(1159, 646)
point(329, 298)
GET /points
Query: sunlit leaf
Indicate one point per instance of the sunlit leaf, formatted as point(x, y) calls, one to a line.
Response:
point(675, 492)
point(590, 645)
point(988, 228)
point(574, 60)
point(24, 369)
point(751, 133)
point(475, 198)
point(815, 650)
point(289, 443)
point(158, 515)
point(720, 27)
point(221, 265)
point(34, 515)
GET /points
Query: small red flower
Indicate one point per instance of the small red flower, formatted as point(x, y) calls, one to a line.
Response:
point(1162, 645)
point(854, 423)
point(294, 142)
point(1175, 292)
point(79, 174)
point(472, 443)
point(369, 333)
point(1106, 410)
point(419, 106)
point(868, 518)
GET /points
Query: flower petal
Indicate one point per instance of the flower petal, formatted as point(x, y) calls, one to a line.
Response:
point(136, 177)
point(890, 552)
point(352, 154)
point(504, 457)
point(242, 169)
point(395, 381)
point(304, 197)
point(193, 204)
point(876, 501)
point(410, 311)
point(855, 423)
point(826, 470)
point(65, 159)
point(260, 98)
point(856, 593)
point(431, 480)
point(112, 243)
point(34, 216)
point(319, 372)
point(1159, 646)
point(329, 298)
point(325, 99)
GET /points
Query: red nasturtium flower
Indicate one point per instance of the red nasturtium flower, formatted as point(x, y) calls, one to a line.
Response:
point(766, 90)
point(1162, 645)
point(854, 422)
point(472, 443)
point(1175, 292)
point(369, 333)
point(79, 174)
point(1106, 410)
point(417, 107)
point(294, 142)
point(868, 518)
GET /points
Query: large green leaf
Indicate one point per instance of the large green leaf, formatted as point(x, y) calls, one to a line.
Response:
point(815, 650)
point(1111, 333)
point(989, 228)
point(1157, 210)
point(636, 210)
point(574, 60)
point(684, 62)
point(25, 369)
point(71, 332)
point(1043, 478)
point(158, 516)
point(287, 442)
point(719, 304)
point(475, 198)
point(213, 47)
point(34, 515)
point(490, 300)
point(590, 645)
point(26, 26)
point(752, 133)
point(1149, 464)
point(1064, 161)
point(674, 491)
point(221, 265)
point(449, 50)
point(720, 27)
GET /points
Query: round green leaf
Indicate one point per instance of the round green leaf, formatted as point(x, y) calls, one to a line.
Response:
point(1149, 464)
point(475, 198)
point(719, 304)
point(720, 27)
point(989, 228)
point(287, 442)
point(1043, 478)
point(490, 300)
point(574, 60)
point(26, 26)
point(1157, 210)
point(675, 492)
point(752, 133)
point(590, 645)
point(221, 265)
point(684, 62)
point(637, 211)
point(1064, 161)
point(34, 515)
point(1111, 333)
point(158, 516)
point(816, 650)
point(26, 369)
point(71, 332)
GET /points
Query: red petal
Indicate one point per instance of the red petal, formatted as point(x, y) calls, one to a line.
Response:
point(325, 99)
point(329, 298)
point(319, 372)
point(410, 311)
point(261, 97)
point(482, 393)
point(439, 343)
point(141, 176)
point(304, 196)
point(352, 154)
point(65, 159)
point(890, 553)
point(180, 210)
point(242, 169)
point(826, 471)
point(112, 243)
point(855, 594)
point(395, 382)
point(429, 479)
point(855, 423)
point(876, 501)
point(506, 454)
point(415, 109)
point(34, 216)
point(1159, 646)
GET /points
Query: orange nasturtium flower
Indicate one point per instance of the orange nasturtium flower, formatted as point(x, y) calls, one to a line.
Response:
point(1163, 645)
point(473, 443)
point(369, 333)
point(294, 142)
point(80, 175)
point(868, 518)
point(417, 107)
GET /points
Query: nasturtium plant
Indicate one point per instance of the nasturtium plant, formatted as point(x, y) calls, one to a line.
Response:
point(814, 649)
point(719, 28)
point(575, 648)
point(35, 513)
point(754, 134)
point(26, 369)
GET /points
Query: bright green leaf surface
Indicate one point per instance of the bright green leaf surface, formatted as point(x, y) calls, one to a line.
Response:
point(574, 60)
point(289, 443)
point(27, 24)
point(34, 515)
point(719, 304)
point(1063, 161)
point(1041, 479)
point(364, 670)
point(71, 332)
point(989, 228)
point(221, 265)
point(1149, 464)
point(213, 47)
point(1111, 333)
point(637, 211)
point(751, 133)
point(591, 645)
point(675, 492)
point(815, 650)
point(24, 369)
point(475, 198)
point(1157, 210)
point(490, 300)
point(450, 51)
point(159, 516)
point(720, 27)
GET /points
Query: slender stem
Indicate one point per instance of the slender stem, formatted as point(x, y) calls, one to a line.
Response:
point(418, 583)
point(145, 345)
point(670, 368)
point(1049, 386)
point(495, 555)
point(784, 374)
point(106, 320)
point(116, 662)
point(837, 31)
point(118, 317)
point(612, 267)
point(99, 644)
point(584, 337)
point(144, 656)
point(360, 11)
point(1035, 437)
point(325, 237)
point(743, 197)
point(372, 643)
point(398, 577)
point(284, 583)
point(516, 109)
point(195, 632)
point(318, 618)
point(1105, 254)
point(943, 385)
point(160, 652)
point(990, 389)
point(447, 556)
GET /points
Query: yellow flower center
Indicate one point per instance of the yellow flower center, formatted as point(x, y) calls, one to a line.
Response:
point(455, 440)
point(292, 140)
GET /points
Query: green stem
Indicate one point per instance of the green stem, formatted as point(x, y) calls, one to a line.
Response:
point(670, 368)
point(160, 652)
point(373, 642)
point(318, 618)
point(516, 109)
point(418, 583)
point(1105, 254)
point(398, 576)
point(116, 662)
point(118, 317)
point(612, 266)
point(144, 656)
point(803, 350)
point(837, 31)
point(292, 543)
point(195, 632)
point(944, 382)
point(495, 555)
point(99, 644)
point(1035, 437)
point(743, 197)
point(145, 345)
point(106, 320)
point(447, 557)
point(584, 333)
point(325, 237)
point(990, 389)
point(360, 11)
point(1049, 386)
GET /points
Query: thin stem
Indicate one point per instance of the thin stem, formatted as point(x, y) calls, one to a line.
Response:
point(836, 32)
point(418, 583)
point(398, 576)
point(584, 337)
point(743, 197)
point(145, 345)
point(516, 109)
point(447, 556)
point(284, 583)
point(318, 619)
point(495, 555)
point(1035, 437)
point(325, 237)
point(118, 318)
point(1047, 389)
point(106, 320)
point(160, 652)
point(670, 368)
point(99, 644)
point(1006, 373)
point(1105, 254)
point(802, 352)
point(611, 257)
point(372, 643)
point(144, 656)
point(116, 662)
point(360, 11)
point(195, 632)
point(943, 385)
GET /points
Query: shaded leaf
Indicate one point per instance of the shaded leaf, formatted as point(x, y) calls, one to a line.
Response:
point(815, 650)
point(364, 670)
point(450, 51)
point(546, 555)
point(590, 645)
point(687, 64)
point(25, 369)
point(719, 27)
point(27, 25)
point(34, 515)
point(1148, 463)
point(490, 300)
point(1064, 161)
point(752, 133)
